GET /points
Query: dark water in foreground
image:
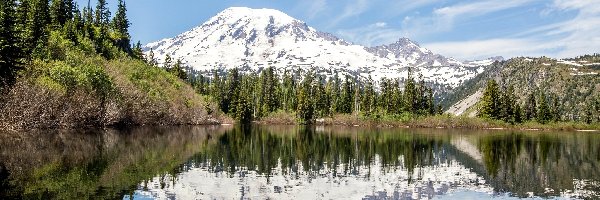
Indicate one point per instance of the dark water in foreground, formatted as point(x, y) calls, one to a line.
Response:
point(222, 162)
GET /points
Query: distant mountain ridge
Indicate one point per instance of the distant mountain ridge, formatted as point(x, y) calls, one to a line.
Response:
point(575, 82)
point(252, 39)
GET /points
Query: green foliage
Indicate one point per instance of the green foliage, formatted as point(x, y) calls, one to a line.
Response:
point(311, 96)
point(543, 111)
point(61, 11)
point(10, 50)
point(490, 105)
point(567, 92)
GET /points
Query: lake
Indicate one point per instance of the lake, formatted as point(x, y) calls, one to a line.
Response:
point(295, 162)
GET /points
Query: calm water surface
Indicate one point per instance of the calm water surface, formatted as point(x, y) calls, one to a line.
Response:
point(288, 162)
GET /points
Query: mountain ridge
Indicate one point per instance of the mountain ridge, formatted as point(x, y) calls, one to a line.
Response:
point(252, 39)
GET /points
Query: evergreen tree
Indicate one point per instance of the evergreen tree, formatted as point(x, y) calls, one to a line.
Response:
point(151, 60)
point(507, 105)
point(10, 52)
point(232, 91)
point(489, 101)
point(137, 51)
point(430, 102)
point(37, 27)
point(322, 104)
point(178, 71)
point(61, 11)
point(168, 63)
point(305, 109)
point(543, 111)
point(368, 99)
point(216, 89)
point(410, 94)
point(102, 13)
point(518, 115)
point(395, 104)
point(357, 96)
point(555, 108)
point(530, 108)
point(288, 92)
point(243, 105)
point(121, 24)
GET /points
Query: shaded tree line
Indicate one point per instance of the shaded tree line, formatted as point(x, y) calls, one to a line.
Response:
point(499, 102)
point(26, 25)
point(310, 95)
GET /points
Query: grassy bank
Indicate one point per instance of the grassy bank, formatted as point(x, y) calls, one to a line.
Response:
point(440, 121)
point(75, 87)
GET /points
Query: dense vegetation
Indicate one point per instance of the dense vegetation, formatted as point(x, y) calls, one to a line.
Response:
point(540, 90)
point(65, 67)
point(310, 96)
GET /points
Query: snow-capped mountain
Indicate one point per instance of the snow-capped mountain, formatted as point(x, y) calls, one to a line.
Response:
point(252, 39)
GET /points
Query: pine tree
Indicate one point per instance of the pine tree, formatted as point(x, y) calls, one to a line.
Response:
point(430, 102)
point(243, 103)
point(518, 114)
point(168, 63)
point(530, 108)
point(121, 24)
point(305, 108)
point(507, 105)
point(232, 91)
point(61, 11)
point(410, 94)
point(137, 51)
point(102, 13)
point(10, 52)
point(151, 60)
point(368, 99)
point(555, 108)
point(37, 27)
point(288, 92)
point(543, 111)
point(178, 71)
point(322, 99)
point(489, 101)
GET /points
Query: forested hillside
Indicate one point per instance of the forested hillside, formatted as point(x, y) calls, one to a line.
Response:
point(62, 66)
point(570, 88)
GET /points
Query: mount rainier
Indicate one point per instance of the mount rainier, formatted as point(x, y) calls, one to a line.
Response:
point(252, 39)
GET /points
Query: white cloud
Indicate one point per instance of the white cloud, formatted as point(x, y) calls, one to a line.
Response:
point(447, 15)
point(380, 24)
point(481, 49)
point(568, 38)
point(316, 7)
point(374, 34)
point(353, 8)
point(403, 6)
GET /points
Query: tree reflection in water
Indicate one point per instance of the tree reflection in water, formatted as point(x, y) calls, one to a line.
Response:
point(112, 164)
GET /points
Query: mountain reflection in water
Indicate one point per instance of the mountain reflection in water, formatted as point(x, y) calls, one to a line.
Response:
point(299, 162)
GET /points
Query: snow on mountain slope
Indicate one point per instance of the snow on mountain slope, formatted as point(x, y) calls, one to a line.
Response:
point(252, 39)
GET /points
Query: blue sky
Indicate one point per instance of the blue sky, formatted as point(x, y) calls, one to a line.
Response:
point(466, 30)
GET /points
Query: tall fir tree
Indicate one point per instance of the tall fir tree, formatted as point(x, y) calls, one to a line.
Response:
point(121, 25)
point(530, 108)
point(10, 51)
point(410, 94)
point(61, 11)
point(489, 107)
point(543, 109)
point(102, 13)
point(178, 70)
point(37, 27)
point(305, 110)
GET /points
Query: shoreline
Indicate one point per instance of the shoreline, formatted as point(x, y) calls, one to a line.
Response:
point(433, 122)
